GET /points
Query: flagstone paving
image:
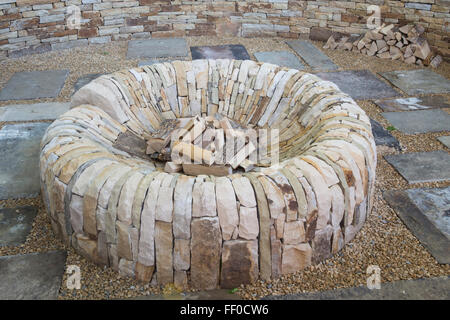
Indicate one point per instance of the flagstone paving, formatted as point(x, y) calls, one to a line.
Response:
point(84, 80)
point(445, 140)
point(153, 61)
point(229, 51)
point(33, 276)
point(281, 58)
point(418, 81)
point(419, 220)
point(19, 159)
point(157, 48)
point(413, 103)
point(360, 84)
point(421, 121)
point(383, 138)
point(315, 58)
point(34, 85)
point(419, 289)
point(417, 167)
point(15, 224)
point(31, 112)
point(435, 205)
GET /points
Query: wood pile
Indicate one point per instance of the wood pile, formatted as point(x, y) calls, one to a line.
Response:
point(213, 145)
point(405, 43)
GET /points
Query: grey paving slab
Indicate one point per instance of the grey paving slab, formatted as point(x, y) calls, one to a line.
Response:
point(417, 167)
point(34, 85)
point(418, 81)
point(360, 84)
point(445, 140)
point(35, 111)
point(157, 48)
point(315, 58)
point(33, 276)
point(383, 138)
point(420, 121)
point(227, 51)
point(15, 224)
point(281, 58)
point(414, 103)
point(19, 159)
point(418, 289)
point(419, 224)
point(84, 80)
point(435, 205)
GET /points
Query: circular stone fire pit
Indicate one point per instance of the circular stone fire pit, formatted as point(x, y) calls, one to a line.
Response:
point(116, 207)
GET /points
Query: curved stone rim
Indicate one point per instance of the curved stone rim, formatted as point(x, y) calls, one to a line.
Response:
point(118, 210)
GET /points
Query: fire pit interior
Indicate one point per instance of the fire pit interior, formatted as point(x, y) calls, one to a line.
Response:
point(116, 193)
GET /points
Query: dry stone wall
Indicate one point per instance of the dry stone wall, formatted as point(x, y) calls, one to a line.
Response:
point(123, 211)
point(29, 26)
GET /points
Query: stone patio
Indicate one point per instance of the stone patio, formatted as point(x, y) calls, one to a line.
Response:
point(34, 85)
point(231, 51)
point(417, 167)
point(15, 224)
point(33, 112)
point(422, 81)
point(360, 84)
point(19, 159)
point(315, 58)
point(281, 58)
point(383, 138)
point(413, 103)
point(421, 121)
point(157, 48)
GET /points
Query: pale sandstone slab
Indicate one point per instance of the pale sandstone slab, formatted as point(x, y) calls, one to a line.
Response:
point(226, 207)
point(296, 257)
point(204, 199)
point(182, 211)
point(181, 254)
point(244, 192)
point(164, 247)
point(294, 232)
point(248, 223)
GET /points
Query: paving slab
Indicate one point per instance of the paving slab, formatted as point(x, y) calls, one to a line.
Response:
point(33, 276)
point(19, 159)
point(417, 167)
point(418, 81)
point(228, 51)
point(35, 111)
point(157, 48)
point(420, 121)
point(383, 138)
point(359, 84)
point(420, 224)
point(435, 205)
point(84, 80)
point(15, 224)
point(153, 61)
point(34, 85)
point(315, 58)
point(445, 141)
point(414, 103)
point(418, 289)
point(281, 58)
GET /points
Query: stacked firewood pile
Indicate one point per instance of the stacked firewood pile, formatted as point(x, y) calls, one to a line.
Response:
point(206, 145)
point(405, 43)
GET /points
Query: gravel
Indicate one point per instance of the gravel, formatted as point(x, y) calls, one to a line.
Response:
point(384, 240)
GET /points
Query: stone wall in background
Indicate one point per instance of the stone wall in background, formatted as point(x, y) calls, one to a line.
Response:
point(31, 26)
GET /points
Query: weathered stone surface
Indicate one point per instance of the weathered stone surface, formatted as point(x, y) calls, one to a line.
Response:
point(182, 210)
point(360, 84)
point(417, 167)
point(295, 257)
point(20, 179)
point(226, 207)
point(312, 56)
point(15, 224)
point(239, 263)
point(274, 197)
point(33, 276)
point(248, 223)
point(144, 273)
point(181, 254)
point(321, 245)
point(281, 58)
point(413, 103)
point(294, 232)
point(204, 199)
point(421, 121)
point(229, 51)
point(206, 245)
point(244, 192)
point(164, 247)
point(84, 80)
point(29, 112)
point(157, 48)
point(445, 140)
point(34, 85)
point(383, 139)
point(419, 81)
